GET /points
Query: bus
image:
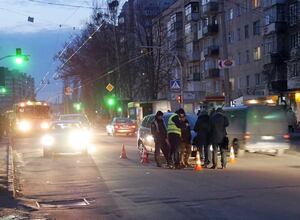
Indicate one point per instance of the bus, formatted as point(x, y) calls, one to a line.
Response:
point(30, 117)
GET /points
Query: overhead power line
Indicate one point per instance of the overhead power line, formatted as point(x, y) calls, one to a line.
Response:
point(64, 5)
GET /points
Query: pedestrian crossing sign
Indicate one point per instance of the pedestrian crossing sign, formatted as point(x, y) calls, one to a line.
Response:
point(175, 84)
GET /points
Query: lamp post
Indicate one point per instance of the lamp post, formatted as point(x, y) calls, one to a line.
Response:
point(181, 70)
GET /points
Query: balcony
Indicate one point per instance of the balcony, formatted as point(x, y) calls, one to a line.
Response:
point(192, 17)
point(212, 73)
point(211, 51)
point(270, 3)
point(277, 27)
point(210, 30)
point(193, 36)
point(211, 7)
point(274, 58)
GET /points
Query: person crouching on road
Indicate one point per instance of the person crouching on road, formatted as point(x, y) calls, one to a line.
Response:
point(185, 145)
point(202, 127)
point(159, 133)
point(218, 124)
point(174, 135)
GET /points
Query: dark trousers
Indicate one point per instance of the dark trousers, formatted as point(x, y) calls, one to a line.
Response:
point(163, 146)
point(291, 129)
point(204, 153)
point(174, 140)
point(215, 155)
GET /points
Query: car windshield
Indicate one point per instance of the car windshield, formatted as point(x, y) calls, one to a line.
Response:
point(62, 126)
point(73, 118)
point(123, 120)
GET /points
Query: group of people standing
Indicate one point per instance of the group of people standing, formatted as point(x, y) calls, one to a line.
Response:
point(175, 140)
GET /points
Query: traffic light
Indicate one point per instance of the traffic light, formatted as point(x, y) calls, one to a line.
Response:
point(179, 99)
point(20, 58)
point(119, 109)
point(2, 77)
point(77, 106)
point(111, 101)
point(3, 90)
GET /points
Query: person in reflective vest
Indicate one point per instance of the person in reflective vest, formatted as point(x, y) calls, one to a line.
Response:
point(174, 136)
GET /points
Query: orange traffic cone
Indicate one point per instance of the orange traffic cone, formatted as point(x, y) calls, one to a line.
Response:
point(198, 166)
point(144, 158)
point(232, 156)
point(123, 153)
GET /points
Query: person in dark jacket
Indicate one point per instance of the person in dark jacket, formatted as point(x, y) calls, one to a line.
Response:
point(185, 145)
point(174, 136)
point(218, 124)
point(159, 133)
point(202, 128)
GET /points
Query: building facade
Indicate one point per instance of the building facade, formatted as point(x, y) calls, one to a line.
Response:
point(19, 87)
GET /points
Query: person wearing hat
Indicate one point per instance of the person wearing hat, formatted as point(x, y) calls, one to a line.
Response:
point(174, 135)
point(159, 133)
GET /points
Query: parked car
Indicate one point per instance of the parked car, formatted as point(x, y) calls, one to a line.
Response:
point(144, 137)
point(258, 128)
point(121, 126)
point(66, 137)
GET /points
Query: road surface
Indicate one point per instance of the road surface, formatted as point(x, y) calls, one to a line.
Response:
point(102, 186)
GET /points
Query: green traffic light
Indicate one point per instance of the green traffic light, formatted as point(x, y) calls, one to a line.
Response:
point(111, 102)
point(119, 109)
point(19, 60)
point(3, 90)
point(77, 106)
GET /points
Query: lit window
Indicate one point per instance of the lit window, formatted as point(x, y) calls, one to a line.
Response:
point(257, 53)
point(230, 14)
point(255, 3)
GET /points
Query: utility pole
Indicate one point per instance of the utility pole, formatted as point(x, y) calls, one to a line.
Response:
point(225, 54)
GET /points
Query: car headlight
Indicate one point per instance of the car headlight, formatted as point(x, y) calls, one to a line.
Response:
point(47, 140)
point(45, 125)
point(24, 126)
point(149, 138)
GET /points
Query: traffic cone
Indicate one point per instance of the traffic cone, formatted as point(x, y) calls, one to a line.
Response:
point(144, 158)
point(198, 166)
point(232, 156)
point(123, 153)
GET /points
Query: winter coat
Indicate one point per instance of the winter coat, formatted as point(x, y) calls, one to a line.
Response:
point(186, 135)
point(158, 130)
point(218, 124)
point(202, 128)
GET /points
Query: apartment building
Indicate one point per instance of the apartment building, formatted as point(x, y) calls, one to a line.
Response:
point(19, 86)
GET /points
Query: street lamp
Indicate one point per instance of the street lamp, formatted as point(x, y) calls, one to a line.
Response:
point(180, 66)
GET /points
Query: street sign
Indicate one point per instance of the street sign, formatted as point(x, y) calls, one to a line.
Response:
point(109, 87)
point(225, 64)
point(68, 90)
point(175, 84)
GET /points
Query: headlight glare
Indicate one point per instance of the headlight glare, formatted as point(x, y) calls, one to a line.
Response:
point(45, 125)
point(47, 140)
point(24, 126)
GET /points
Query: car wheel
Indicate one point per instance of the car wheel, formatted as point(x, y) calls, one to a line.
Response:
point(47, 153)
point(141, 149)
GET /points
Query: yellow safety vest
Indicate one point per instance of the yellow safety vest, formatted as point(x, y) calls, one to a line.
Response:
point(172, 128)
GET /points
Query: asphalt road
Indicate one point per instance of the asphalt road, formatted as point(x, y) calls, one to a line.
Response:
point(102, 186)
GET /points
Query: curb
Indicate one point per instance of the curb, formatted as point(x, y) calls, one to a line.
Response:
point(10, 171)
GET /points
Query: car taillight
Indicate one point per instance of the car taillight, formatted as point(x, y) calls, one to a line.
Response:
point(247, 136)
point(132, 126)
point(286, 136)
point(116, 126)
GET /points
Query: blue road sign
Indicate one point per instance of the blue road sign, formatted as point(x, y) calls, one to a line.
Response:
point(175, 84)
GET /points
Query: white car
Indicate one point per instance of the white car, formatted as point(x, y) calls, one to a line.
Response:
point(66, 137)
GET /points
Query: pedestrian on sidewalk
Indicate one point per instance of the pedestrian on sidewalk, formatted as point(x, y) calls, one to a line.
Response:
point(218, 134)
point(174, 136)
point(202, 128)
point(185, 145)
point(159, 133)
point(292, 120)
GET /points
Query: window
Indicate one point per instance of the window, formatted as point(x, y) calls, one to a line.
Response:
point(247, 56)
point(256, 28)
point(248, 81)
point(257, 53)
point(230, 37)
point(245, 5)
point(255, 3)
point(188, 29)
point(293, 40)
point(294, 72)
point(239, 59)
point(230, 14)
point(246, 28)
point(293, 14)
point(267, 19)
point(238, 10)
point(240, 83)
point(257, 79)
point(238, 34)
